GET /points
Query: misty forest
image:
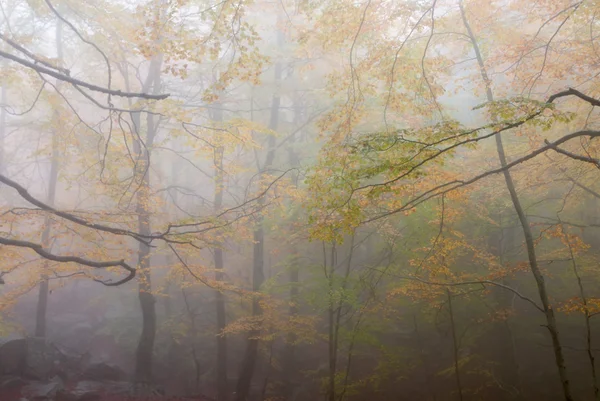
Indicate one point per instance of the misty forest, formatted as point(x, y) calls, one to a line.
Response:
point(299, 200)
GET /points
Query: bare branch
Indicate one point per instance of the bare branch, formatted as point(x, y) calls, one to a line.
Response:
point(37, 248)
point(470, 282)
point(574, 92)
point(74, 81)
point(68, 216)
point(31, 55)
point(573, 155)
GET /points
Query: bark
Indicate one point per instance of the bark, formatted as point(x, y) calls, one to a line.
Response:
point(251, 352)
point(289, 354)
point(3, 100)
point(167, 301)
point(42, 301)
point(503, 346)
point(222, 393)
point(335, 316)
point(192, 316)
point(587, 317)
point(332, 337)
point(145, 348)
point(250, 355)
point(454, 346)
point(529, 240)
point(428, 379)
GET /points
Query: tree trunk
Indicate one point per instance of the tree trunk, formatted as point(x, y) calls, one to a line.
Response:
point(502, 342)
point(454, 346)
point(331, 338)
point(587, 317)
point(222, 393)
point(3, 100)
point(289, 354)
point(145, 348)
point(428, 382)
point(251, 352)
point(42, 302)
point(529, 241)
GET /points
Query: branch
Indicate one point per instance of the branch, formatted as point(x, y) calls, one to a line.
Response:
point(459, 283)
point(37, 248)
point(31, 55)
point(147, 239)
point(578, 184)
point(60, 17)
point(504, 127)
point(70, 217)
point(453, 185)
point(77, 82)
point(263, 193)
point(574, 92)
point(573, 155)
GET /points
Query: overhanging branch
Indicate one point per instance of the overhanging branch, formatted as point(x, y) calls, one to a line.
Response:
point(37, 248)
point(572, 155)
point(77, 82)
point(456, 184)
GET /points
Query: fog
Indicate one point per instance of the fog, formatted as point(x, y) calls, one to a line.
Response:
point(299, 200)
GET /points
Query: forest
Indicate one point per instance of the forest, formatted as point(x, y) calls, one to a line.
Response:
point(299, 200)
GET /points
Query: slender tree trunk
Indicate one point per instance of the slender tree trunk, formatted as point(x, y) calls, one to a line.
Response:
point(502, 345)
point(289, 356)
point(42, 302)
point(454, 346)
point(331, 339)
point(145, 348)
point(529, 241)
point(3, 100)
point(222, 393)
point(588, 326)
point(192, 316)
point(167, 301)
point(428, 379)
point(335, 316)
point(251, 352)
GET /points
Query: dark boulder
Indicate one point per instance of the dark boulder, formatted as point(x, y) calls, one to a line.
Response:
point(10, 388)
point(103, 372)
point(42, 359)
point(89, 390)
point(11, 382)
point(43, 391)
point(12, 355)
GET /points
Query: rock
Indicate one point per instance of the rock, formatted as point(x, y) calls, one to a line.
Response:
point(42, 359)
point(89, 390)
point(103, 372)
point(7, 382)
point(71, 364)
point(10, 388)
point(83, 391)
point(43, 391)
point(12, 356)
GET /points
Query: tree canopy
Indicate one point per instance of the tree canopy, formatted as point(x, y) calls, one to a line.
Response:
point(291, 200)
